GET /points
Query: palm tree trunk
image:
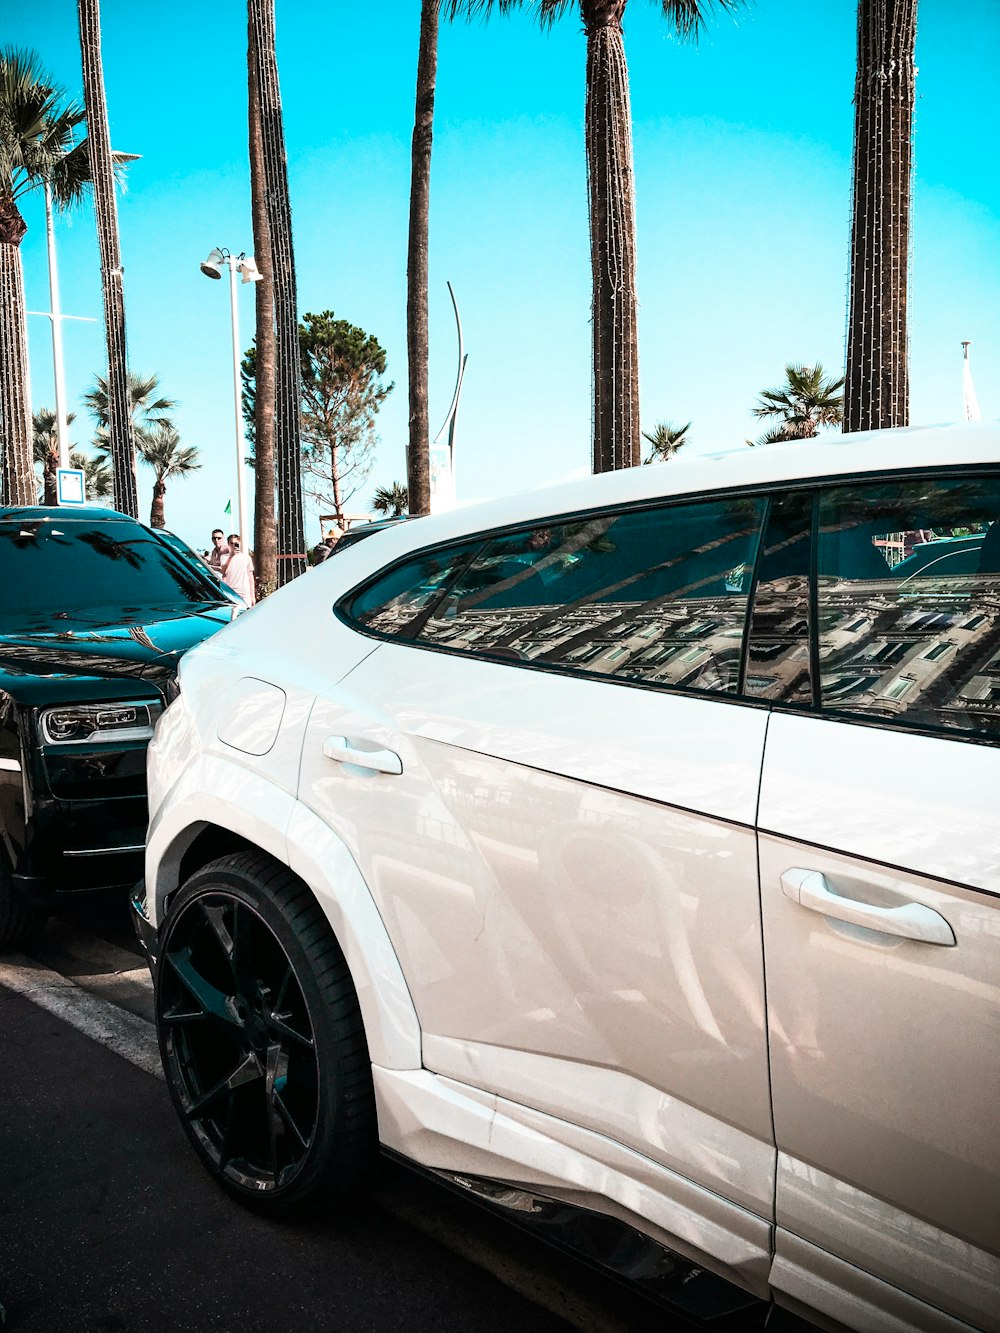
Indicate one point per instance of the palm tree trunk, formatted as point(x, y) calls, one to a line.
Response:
point(265, 543)
point(610, 182)
point(17, 476)
point(877, 386)
point(287, 390)
point(157, 517)
point(121, 431)
point(418, 469)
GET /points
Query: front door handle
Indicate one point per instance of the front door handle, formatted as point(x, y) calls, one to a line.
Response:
point(340, 749)
point(912, 921)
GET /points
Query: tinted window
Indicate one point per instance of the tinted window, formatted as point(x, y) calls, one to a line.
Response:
point(909, 602)
point(655, 595)
point(397, 603)
point(48, 567)
point(778, 652)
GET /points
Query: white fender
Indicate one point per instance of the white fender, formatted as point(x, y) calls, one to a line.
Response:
point(213, 791)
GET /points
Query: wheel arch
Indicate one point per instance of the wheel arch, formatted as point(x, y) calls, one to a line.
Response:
point(197, 823)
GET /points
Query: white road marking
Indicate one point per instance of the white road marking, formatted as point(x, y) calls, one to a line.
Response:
point(128, 1036)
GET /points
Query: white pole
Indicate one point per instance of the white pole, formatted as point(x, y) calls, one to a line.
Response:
point(55, 313)
point(970, 403)
point(241, 489)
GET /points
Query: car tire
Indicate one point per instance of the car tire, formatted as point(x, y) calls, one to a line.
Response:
point(20, 921)
point(262, 1040)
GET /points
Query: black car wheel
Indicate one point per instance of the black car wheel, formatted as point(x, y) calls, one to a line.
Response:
point(261, 1038)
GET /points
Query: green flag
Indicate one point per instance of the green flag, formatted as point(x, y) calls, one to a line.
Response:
point(229, 507)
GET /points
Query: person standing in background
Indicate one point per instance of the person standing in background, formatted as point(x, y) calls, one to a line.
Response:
point(237, 572)
point(218, 557)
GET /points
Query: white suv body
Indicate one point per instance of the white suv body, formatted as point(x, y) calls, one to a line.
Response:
point(656, 816)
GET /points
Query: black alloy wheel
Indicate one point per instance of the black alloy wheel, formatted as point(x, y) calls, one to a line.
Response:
point(261, 1038)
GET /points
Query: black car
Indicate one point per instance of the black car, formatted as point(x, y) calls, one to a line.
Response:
point(364, 530)
point(95, 611)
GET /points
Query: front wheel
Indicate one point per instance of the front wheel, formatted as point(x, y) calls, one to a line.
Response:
point(261, 1038)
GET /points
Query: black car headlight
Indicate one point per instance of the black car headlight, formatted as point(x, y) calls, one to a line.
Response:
point(93, 724)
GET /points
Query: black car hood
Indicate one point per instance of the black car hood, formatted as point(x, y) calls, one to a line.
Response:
point(103, 644)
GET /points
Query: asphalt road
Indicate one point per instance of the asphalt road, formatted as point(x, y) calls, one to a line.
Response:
point(108, 1224)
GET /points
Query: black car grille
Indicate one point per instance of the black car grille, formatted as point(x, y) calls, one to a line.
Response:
point(97, 774)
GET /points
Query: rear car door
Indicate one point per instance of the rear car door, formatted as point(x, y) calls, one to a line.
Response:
point(565, 862)
point(880, 881)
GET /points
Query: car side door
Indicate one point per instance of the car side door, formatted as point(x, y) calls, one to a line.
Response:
point(565, 854)
point(880, 886)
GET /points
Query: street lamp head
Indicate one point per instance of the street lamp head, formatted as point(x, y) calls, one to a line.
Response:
point(248, 267)
point(212, 266)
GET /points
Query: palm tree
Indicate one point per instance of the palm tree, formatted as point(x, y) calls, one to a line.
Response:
point(806, 401)
point(161, 448)
point(37, 128)
point(97, 480)
point(877, 370)
point(265, 535)
point(418, 465)
point(121, 433)
point(612, 204)
point(45, 450)
point(666, 439)
point(145, 409)
point(391, 500)
point(287, 391)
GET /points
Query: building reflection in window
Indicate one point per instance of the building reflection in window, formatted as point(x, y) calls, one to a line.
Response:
point(909, 602)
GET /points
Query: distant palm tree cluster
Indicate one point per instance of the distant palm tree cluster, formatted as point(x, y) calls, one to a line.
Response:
point(40, 148)
point(795, 410)
point(157, 442)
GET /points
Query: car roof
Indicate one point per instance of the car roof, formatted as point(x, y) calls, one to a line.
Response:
point(827, 456)
point(65, 514)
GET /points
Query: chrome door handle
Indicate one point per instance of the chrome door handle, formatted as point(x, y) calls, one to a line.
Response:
point(340, 749)
point(912, 921)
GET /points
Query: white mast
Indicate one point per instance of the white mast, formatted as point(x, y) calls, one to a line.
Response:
point(970, 403)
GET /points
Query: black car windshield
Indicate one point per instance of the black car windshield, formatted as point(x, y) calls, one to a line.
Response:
point(51, 568)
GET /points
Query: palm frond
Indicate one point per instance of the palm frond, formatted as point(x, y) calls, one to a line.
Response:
point(97, 478)
point(392, 500)
point(37, 124)
point(688, 17)
point(476, 9)
point(160, 446)
point(806, 401)
point(70, 177)
point(146, 410)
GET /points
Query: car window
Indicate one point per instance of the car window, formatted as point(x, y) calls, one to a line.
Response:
point(655, 595)
point(778, 665)
point(395, 603)
point(908, 595)
point(48, 568)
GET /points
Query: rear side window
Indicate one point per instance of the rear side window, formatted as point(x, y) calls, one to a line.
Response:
point(908, 596)
point(658, 595)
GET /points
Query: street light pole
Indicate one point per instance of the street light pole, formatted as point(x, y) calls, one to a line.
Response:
point(241, 485)
point(212, 268)
point(55, 310)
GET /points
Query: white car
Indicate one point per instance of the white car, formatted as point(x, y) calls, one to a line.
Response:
point(632, 844)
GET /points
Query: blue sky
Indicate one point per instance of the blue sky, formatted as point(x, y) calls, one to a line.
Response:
point(743, 161)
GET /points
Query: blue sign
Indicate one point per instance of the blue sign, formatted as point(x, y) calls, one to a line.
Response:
point(69, 486)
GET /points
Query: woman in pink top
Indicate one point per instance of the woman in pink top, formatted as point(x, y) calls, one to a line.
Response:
point(238, 571)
